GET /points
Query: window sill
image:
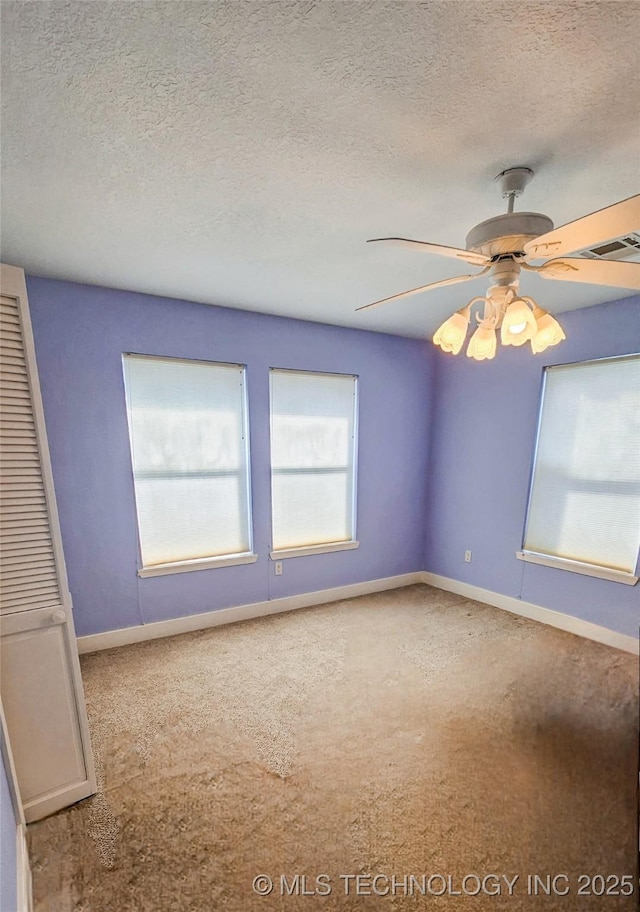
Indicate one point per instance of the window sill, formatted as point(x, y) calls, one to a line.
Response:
point(314, 549)
point(563, 563)
point(202, 563)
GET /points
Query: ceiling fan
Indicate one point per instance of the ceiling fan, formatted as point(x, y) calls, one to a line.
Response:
point(505, 245)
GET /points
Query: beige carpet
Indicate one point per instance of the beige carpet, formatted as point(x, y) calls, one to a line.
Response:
point(407, 733)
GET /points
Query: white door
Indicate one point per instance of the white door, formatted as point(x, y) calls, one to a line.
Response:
point(39, 669)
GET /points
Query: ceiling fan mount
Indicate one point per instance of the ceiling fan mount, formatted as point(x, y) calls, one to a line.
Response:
point(513, 181)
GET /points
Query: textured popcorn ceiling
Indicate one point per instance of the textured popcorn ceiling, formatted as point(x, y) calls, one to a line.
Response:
point(241, 153)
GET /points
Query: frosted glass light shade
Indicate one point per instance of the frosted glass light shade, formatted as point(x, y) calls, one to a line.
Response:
point(518, 324)
point(453, 331)
point(482, 345)
point(549, 331)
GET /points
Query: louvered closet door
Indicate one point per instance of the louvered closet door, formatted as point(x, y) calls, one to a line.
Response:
point(29, 578)
point(39, 672)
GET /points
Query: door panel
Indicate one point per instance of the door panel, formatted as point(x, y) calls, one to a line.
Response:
point(39, 668)
point(43, 702)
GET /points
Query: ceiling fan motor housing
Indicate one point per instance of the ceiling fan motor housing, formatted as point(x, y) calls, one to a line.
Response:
point(505, 236)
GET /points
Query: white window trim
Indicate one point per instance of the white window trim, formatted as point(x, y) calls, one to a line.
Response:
point(283, 553)
point(200, 563)
point(563, 563)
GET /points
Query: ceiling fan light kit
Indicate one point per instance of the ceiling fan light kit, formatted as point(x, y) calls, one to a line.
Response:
point(520, 320)
point(503, 246)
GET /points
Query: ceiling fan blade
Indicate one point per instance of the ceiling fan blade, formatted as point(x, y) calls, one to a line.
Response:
point(469, 256)
point(412, 291)
point(594, 272)
point(588, 231)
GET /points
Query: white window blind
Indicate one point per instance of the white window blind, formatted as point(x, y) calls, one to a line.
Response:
point(313, 444)
point(187, 422)
point(585, 494)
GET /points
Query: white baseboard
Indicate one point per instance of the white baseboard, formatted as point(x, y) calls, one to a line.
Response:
point(24, 891)
point(536, 613)
point(128, 635)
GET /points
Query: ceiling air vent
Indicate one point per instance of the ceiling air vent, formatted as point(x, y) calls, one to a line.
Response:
point(622, 248)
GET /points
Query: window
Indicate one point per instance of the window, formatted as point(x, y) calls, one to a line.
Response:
point(313, 444)
point(584, 503)
point(188, 432)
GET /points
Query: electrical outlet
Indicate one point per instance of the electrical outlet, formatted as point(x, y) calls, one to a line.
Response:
point(278, 568)
point(467, 557)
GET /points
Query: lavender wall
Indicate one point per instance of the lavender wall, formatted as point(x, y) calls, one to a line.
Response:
point(8, 862)
point(80, 334)
point(445, 453)
point(482, 440)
